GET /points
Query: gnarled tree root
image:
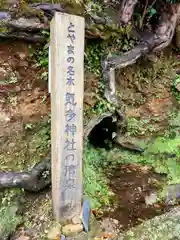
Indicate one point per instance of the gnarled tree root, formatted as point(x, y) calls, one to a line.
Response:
point(38, 178)
point(150, 42)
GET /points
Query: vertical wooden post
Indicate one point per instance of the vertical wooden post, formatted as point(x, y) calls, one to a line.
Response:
point(67, 89)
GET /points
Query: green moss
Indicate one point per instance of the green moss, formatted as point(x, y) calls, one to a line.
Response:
point(9, 211)
point(95, 184)
point(8, 221)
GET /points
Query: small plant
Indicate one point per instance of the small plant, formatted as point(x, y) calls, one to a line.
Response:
point(44, 98)
point(44, 76)
point(42, 58)
point(139, 127)
point(93, 55)
point(46, 34)
point(45, 136)
point(100, 107)
point(133, 127)
point(13, 78)
point(29, 126)
point(9, 218)
point(8, 221)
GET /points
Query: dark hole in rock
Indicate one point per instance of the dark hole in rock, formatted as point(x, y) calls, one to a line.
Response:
point(102, 134)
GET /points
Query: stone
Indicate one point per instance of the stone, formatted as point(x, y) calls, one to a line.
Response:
point(130, 143)
point(55, 232)
point(151, 199)
point(4, 117)
point(115, 221)
point(109, 226)
point(72, 229)
point(17, 88)
point(152, 58)
point(76, 220)
point(22, 55)
point(24, 24)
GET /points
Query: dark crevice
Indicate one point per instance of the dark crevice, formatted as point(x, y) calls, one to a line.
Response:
point(103, 133)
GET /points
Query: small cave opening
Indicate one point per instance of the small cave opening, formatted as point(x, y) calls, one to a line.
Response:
point(103, 133)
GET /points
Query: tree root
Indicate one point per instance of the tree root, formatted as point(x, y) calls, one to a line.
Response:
point(150, 42)
point(38, 178)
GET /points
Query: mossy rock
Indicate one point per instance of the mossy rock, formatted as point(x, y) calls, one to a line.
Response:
point(166, 226)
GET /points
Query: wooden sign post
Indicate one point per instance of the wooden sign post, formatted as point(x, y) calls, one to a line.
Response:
point(67, 89)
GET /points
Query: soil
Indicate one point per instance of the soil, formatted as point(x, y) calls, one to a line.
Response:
point(25, 100)
point(146, 87)
point(131, 183)
point(23, 103)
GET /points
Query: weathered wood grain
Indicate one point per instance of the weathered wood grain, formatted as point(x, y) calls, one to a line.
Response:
point(67, 88)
